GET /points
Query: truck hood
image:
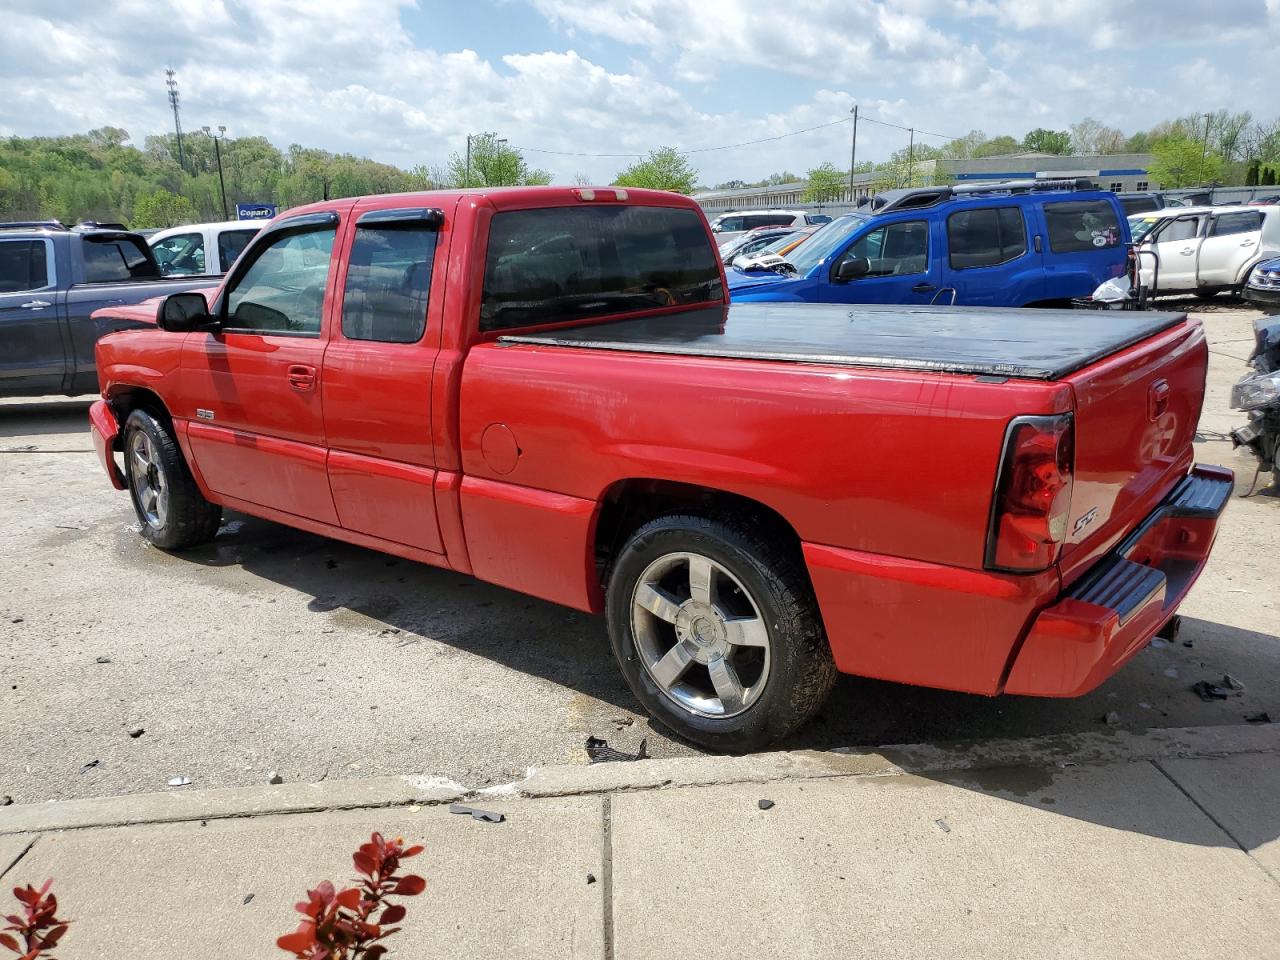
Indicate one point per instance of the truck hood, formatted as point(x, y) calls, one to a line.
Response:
point(757, 281)
point(126, 315)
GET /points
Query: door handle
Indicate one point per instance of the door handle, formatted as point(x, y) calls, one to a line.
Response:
point(36, 304)
point(923, 288)
point(302, 377)
point(1247, 243)
point(1188, 251)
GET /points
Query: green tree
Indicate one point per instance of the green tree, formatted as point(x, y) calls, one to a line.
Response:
point(493, 164)
point(663, 169)
point(1179, 163)
point(1269, 177)
point(1047, 141)
point(1091, 136)
point(163, 209)
point(1252, 174)
point(825, 183)
point(998, 147)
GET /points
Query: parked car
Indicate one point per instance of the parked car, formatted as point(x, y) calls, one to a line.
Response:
point(437, 376)
point(1204, 250)
point(1262, 289)
point(727, 226)
point(751, 241)
point(202, 249)
point(768, 256)
point(1140, 202)
point(1025, 243)
point(51, 279)
point(1265, 201)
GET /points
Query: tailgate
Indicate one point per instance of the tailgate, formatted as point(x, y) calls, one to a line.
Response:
point(1136, 416)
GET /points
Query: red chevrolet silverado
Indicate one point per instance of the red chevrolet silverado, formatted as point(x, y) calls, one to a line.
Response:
point(548, 388)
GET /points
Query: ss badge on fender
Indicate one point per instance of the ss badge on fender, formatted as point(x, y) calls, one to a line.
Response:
point(1084, 521)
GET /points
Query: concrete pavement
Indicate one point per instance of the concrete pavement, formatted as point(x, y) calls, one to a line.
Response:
point(1155, 845)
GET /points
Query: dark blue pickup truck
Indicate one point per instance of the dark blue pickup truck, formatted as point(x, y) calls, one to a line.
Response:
point(52, 278)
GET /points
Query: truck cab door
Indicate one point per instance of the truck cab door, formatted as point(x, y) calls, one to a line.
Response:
point(251, 390)
point(1177, 246)
point(1230, 243)
point(377, 375)
point(904, 266)
point(32, 352)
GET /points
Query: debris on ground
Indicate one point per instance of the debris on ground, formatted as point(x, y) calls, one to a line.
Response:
point(485, 816)
point(247, 897)
point(765, 804)
point(274, 779)
point(136, 732)
point(1263, 717)
point(90, 765)
point(591, 878)
point(1231, 683)
point(16, 620)
point(1207, 691)
point(599, 751)
point(1112, 719)
point(942, 825)
point(179, 781)
point(103, 660)
point(1157, 643)
point(1171, 673)
point(6, 801)
point(620, 722)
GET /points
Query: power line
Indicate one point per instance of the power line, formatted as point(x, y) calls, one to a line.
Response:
point(744, 143)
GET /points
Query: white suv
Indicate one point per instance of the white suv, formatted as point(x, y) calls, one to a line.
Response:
point(1204, 250)
point(730, 225)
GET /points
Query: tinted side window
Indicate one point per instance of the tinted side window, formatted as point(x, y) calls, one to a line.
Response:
point(1076, 225)
point(231, 244)
point(111, 260)
point(23, 265)
point(984, 238)
point(730, 225)
point(1227, 224)
point(388, 283)
point(182, 255)
point(894, 249)
point(767, 220)
point(566, 263)
point(283, 289)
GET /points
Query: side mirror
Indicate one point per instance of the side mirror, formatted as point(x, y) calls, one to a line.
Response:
point(853, 269)
point(183, 312)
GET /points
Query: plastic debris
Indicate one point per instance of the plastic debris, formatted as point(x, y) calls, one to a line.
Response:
point(16, 620)
point(599, 751)
point(103, 660)
point(1112, 719)
point(247, 898)
point(1263, 717)
point(1171, 673)
point(1157, 643)
point(6, 801)
point(942, 825)
point(274, 779)
point(136, 732)
point(1207, 691)
point(765, 804)
point(1231, 683)
point(179, 781)
point(591, 878)
point(1113, 290)
point(90, 765)
point(485, 816)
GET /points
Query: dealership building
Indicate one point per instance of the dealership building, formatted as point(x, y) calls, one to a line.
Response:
point(1122, 172)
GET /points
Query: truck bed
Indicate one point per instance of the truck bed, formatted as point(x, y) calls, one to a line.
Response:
point(1028, 344)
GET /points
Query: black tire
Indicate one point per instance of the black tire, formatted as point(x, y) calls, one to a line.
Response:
point(771, 575)
point(187, 518)
point(1207, 294)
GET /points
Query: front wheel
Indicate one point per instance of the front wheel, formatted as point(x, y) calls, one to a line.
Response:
point(172, 512)
point(717, 631)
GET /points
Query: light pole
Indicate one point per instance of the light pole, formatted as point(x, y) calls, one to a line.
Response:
point(853, 150)
point(468, 183)
point(217, 150)
point(1204, 148)
point(501, 173)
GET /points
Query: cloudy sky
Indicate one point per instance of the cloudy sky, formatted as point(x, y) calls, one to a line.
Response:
point(405, 81)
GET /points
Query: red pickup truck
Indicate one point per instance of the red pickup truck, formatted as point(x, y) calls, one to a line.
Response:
point(548, 388)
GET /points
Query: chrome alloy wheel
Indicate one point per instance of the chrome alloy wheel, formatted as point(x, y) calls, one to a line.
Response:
point(700, 635)
point(147, 476)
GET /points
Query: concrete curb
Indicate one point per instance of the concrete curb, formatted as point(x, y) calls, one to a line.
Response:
point(562, 781)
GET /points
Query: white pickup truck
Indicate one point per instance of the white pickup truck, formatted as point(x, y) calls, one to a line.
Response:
point(1204, 250)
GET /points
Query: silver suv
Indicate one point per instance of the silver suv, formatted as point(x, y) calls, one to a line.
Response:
point(730, 225)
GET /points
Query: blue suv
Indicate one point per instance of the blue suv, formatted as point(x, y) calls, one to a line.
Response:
point(1013, 244)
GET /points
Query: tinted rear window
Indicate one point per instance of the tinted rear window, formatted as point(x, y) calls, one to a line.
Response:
point(23, 265)
point(984, 238)
point(231, 244)
point(1229, 223)
point(567, 263)
point(1077, 225)
point(118, 258)
point(768, 220)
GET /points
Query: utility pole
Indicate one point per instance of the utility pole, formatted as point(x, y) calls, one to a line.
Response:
point(1204, 148)
point(502, 176)
point(853, 151)
point(172, 84)
point(217, 149)
point(911, 157)
point(468, 183)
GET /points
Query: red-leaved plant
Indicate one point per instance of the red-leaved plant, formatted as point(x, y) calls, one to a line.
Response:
point(38, 929)
point(340, 924)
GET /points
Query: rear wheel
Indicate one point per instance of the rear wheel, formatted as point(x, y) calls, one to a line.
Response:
point(1207, 294)
point(717, 632)
point(172, 512)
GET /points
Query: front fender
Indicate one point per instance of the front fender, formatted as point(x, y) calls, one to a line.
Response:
point(105, 429)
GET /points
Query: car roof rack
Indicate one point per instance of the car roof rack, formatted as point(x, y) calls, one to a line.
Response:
point(95, 225)
point(33, 225)
point(917, 197)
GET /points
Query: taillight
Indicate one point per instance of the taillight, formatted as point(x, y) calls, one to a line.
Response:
point(1033, 494)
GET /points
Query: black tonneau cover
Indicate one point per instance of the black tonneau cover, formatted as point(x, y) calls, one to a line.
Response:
point(1030, 344)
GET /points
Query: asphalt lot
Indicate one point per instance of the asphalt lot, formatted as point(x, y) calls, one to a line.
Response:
point(275, 650)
